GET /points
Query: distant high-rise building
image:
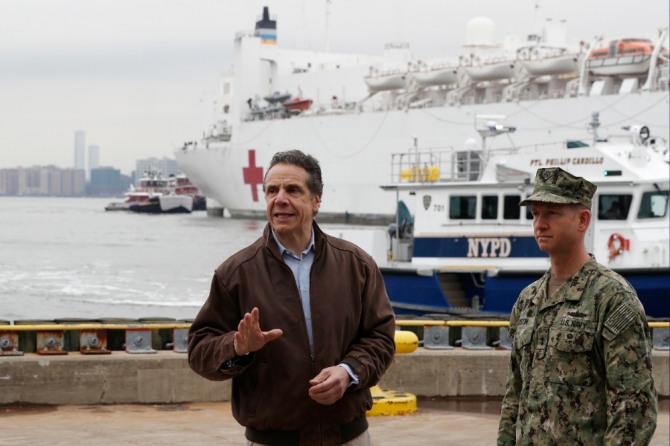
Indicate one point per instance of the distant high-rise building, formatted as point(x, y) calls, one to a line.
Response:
point(73, 182)
point(80, 150)
point(93, 159)
point(107, 181)
point(43, 181)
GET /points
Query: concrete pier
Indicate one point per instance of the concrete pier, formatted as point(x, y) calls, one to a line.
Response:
point(165, 377)
point(211, 424)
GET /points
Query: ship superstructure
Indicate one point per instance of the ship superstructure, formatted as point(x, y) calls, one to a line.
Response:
point(352, 111)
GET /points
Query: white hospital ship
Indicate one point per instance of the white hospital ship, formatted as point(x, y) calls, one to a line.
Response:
point(353, 111)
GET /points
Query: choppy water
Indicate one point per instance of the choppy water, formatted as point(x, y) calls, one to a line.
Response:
point(68, 258)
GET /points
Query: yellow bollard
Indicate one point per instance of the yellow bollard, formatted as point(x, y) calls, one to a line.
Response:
point(390, 402)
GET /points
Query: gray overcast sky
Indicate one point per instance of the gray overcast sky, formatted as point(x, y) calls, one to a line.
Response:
point(137, 75)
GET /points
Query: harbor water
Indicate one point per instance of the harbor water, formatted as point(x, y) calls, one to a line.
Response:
point(68, 258)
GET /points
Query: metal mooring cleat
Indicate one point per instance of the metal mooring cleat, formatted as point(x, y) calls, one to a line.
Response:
point(93, 342)
point(180, 336)
point(436, 338)
point(474, 338)
point(9, 344)
point(50, 343)
point(138, 340)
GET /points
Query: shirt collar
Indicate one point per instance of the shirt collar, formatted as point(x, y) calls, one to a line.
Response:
point(575, 286)
point(283, 250)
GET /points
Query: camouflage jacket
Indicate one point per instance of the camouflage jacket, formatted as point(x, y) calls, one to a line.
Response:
point(580, 365)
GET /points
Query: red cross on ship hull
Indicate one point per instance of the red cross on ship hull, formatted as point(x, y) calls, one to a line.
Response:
point(253, 175)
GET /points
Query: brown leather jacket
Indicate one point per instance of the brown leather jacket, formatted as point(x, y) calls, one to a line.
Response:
point(352, 323)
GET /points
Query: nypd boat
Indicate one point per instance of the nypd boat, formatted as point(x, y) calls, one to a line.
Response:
point(461, 242)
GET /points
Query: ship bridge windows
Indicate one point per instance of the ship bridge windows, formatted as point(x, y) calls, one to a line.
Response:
point(575, 144)
point(529, 213)
point(511, 208)
point(489, 207)
point(654, 204)
point(462, 207)
point(614, 206)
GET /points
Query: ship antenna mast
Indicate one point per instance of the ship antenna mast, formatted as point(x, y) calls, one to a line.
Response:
point(593, 126)
point(327, 27)
point(535, 8)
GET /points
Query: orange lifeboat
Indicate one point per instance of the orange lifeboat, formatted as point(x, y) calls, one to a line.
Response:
point(625, 56)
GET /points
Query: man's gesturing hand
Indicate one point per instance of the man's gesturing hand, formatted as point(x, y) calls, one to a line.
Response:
point(249, 337)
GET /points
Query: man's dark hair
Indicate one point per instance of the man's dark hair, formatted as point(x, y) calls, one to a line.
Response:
point(307, 162)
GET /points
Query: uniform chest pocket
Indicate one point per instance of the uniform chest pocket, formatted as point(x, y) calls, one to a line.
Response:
point(523, 346)
point(523, 336)
point(571, 340)
point(569, 358)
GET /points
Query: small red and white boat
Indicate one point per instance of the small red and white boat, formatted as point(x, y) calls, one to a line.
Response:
point(297, 104)
point(154, 188)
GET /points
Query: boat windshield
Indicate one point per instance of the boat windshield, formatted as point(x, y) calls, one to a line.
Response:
point(614, 206)
point(653, 205)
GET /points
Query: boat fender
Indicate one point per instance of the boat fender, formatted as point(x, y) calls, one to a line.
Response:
point(616, 244)
point(405, 341)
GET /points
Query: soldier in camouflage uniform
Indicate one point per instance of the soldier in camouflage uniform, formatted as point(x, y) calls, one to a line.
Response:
point(580, 365)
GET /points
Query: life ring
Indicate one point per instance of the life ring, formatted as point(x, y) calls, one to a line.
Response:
point(616, 244)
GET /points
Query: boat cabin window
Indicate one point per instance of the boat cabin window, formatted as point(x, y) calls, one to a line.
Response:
point(653, 205)
point(489, 207)
point(462, 207)
point(614, 206)
point(511, 208)
point(575, 144)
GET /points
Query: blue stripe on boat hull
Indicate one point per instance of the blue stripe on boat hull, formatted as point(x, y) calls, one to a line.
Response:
point(468, 247)
point(414, 294)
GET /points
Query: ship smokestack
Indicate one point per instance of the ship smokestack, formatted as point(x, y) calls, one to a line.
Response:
point(266, 29)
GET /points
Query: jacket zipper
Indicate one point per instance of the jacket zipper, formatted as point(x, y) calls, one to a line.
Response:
point(311, 352)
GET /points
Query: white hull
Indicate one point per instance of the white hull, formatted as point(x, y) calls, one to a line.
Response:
point(491, 72)
point(444, 76)
point(386, 82)
point(619, 65)
point(353, 149)
point(171, 203)
point(552, 65)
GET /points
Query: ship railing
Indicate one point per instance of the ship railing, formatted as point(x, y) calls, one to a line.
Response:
point(445, 332)
point(436, 166)
point(435, 331)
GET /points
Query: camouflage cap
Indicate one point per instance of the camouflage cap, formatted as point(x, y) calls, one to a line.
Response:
point(555, 185)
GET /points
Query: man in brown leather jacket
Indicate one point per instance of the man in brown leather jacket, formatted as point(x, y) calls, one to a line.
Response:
point(299, 320)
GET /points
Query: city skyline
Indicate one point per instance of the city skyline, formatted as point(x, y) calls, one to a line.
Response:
point(138, 77)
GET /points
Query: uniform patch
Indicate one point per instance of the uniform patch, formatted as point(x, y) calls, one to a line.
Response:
point(620, 319)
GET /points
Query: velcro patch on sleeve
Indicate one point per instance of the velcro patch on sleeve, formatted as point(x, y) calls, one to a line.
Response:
point(619, 320)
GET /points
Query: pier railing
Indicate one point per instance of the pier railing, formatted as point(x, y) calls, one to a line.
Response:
point(103, 338)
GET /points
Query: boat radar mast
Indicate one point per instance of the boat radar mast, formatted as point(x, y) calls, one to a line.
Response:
point(492, 127)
